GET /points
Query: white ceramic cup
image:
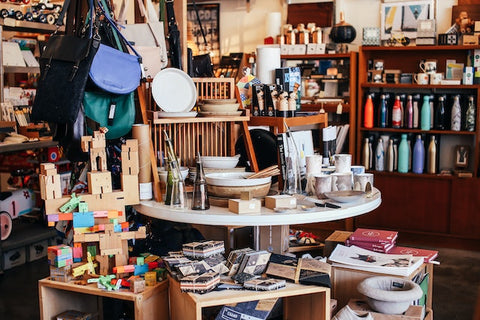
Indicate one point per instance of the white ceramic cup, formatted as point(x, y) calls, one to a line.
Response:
point(313, 164)
point(323, 183)
point(343, 162)
point(357, 169)
point(429, 66)
point(421, 78)
point(341, 181)
point(436, 78)
point(360, 181)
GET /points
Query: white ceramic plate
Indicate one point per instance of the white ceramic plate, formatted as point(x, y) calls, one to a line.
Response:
point(174, 91)
point(345, 196)
point(191, 114)
point(234, 179)
point(213, 114)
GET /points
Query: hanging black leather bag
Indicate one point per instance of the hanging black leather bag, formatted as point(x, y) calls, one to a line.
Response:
point(64, 66)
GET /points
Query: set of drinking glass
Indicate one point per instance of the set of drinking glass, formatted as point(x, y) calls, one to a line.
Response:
point(342, 176)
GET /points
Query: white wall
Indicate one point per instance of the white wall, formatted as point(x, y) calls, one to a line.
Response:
point(242, 31)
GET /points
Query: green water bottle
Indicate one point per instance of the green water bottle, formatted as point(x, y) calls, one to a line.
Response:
point(425, 114)
point(403, 155)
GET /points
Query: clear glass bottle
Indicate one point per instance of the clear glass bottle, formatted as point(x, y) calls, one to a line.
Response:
point(169, 186)
point(456, 118)
point(200, 196)
point(470, 115)
point(177, 199)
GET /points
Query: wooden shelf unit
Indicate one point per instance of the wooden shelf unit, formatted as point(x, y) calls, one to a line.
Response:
point(313, 301)
point(56, 297)
point(349, 102)
point(429, 204)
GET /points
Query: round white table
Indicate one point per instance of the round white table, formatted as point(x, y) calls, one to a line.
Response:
point(218, 216)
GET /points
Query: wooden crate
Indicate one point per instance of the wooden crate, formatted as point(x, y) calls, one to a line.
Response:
point(56, 297)
point(345, 282)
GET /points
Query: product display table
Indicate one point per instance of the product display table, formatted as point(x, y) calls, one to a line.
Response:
point(219, 216)
point(300, 301)
point(57, 297)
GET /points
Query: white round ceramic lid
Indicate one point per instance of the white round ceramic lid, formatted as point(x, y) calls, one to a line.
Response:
point(174, 91)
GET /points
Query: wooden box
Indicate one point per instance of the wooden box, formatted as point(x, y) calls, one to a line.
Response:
point(346, 280)
point(337, 237)
point(280, 201)
point(244, 206)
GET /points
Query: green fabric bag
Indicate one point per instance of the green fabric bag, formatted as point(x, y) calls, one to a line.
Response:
point(115, 112)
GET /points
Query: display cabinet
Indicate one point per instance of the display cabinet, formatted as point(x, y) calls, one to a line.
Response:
point(432, 201)
point(329, 80)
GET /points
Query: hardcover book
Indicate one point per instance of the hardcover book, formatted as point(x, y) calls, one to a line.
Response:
point(360, 259)
point(203, 249)
point(263, 284)
point(373, 246)
point(281, 266)
point(374, 235)
point(235, 258)
point(313, 272)
point(254, 262)
point(428, 255)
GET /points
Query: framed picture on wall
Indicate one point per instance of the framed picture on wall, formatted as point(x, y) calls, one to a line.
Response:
point(203, 30)
point(402, 17)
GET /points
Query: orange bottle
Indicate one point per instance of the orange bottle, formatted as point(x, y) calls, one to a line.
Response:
point(368, 113)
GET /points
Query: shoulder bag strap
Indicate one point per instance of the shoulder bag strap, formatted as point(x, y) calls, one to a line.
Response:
point(200, 23)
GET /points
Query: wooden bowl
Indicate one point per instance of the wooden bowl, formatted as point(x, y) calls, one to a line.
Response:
point(234, 192)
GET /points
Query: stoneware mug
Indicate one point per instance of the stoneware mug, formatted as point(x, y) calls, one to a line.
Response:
point(421, 78)
point(436, 78)
point(323, 183)
point(343, 162)
point(429, 66)
point(341, 181)
point(360, 181)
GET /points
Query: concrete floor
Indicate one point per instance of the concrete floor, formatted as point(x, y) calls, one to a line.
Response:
point(455, 289)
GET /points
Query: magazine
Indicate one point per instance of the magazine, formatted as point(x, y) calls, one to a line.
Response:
point(361, 259)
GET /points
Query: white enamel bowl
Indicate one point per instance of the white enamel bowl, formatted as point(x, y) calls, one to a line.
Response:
point(220, 162)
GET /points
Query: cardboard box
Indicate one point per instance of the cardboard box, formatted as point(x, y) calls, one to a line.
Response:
point(244, 206)
point(13, 258)
point(412, 313)
point(37, 250)
point(280, 201)
point(335, 238)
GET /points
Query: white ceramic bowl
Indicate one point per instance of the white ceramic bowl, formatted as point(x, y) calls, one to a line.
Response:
point(163, 173)
point(220, 162)
point(232, 107)
point(234, 179)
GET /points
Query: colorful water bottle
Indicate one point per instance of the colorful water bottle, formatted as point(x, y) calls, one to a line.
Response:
point(418, 162)
point(368, 113)
point(403, 155)
point(425, 114)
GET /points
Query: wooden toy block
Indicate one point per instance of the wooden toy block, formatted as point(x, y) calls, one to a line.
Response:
point(77, 250)
point(137, 285)
point(114, 200)
point(50, 187)
point(246, 195)
point(280, 201)
point(83, 219)
point(46, 166)
point(98, 160)
point(50, 172)
point(130, 145)
point(99, 182)
point(82, 206)
point(244, 206)
point(150, 278)
point(113, 214)
point(63, 274)
point(130, 188)
point(82, 230)
point(130, 163)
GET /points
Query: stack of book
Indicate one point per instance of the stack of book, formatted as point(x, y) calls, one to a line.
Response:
point(428, 255)
point(374, 240)
point(200, 283)
point(203, 249)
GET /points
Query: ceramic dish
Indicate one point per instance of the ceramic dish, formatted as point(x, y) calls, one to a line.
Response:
point(219, 101)
point(345, 196)
point(234, 179)
point(230, 107)
point(163, 173)
point(220, 162)
point(213, 114)
point(191, 114)
point(174, 91)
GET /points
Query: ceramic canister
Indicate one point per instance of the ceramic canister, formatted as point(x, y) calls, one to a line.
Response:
point(343, 162)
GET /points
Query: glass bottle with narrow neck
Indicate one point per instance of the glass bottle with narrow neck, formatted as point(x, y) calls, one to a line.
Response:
point(440, 114)
point(456, 117)
point(169, 186)
point(200, 196)
point(470, 115)
point(432, 156)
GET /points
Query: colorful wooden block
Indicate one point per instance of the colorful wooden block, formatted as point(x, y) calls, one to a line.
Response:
point(99, 182)
point(83, 219)
point(150, 278)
